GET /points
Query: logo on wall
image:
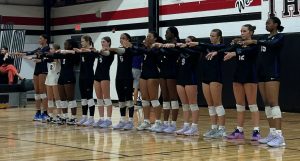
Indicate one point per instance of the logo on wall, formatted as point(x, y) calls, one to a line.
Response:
point(242, 4)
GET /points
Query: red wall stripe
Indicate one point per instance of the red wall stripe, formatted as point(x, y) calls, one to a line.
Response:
point(31, 21)
point(207, 5)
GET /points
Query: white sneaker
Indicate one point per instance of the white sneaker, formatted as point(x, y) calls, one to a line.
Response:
point(183, 130)
point(278, 141)
point(192, 131)
point(129, 126)
point(98, 123)
point(81, 121)
point(120, 125)
point(144, 126)
point(267, 139)
point(171, 129)
point(161, 128)
point(155, 126)
point(209, 133)
point(89, 122)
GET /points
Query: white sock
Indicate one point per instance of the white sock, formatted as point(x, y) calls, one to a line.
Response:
point(279, 132)
point(108, 118)
point(166, 122)
point(256, 128)
point(173, 123)
point(147, 120)
point(221, 127)
point(186, 124)
point(157, 121)
point(65, 115)
point(123, 118)
point(101, 118)
point(272, 130)
point(50, 114)
point(91, 117)
point(240, 128)
point(194, 125)
point(130, 119)
point(84, 116)
point(214, 126)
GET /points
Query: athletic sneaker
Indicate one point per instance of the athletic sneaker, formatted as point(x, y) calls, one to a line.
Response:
point(44, 117)
point(160, 128)
point(255, 135)
point(170, 129)
point(106, 123)
point(192, 131)
point(218, 134)
point(81, 121)
point(277, 141)
point(144, 126)
point(183, 130)
point(155, 126)
point(236, 134)
point(267, 139)
point(37, 116)
point(98, 123)
point(128, 126)
point(89, 122)
point(72, 121)
point(209, 133)
point(54, 121)
point(61, 121)
point(50, 119)
point(120, 125)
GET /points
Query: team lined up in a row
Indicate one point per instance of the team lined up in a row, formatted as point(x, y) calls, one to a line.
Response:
point(172, 65)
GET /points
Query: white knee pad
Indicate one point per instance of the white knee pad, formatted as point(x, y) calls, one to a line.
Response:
point(212, 111)
point(145, 103)
point(155, 103)
point(100, 102)
point(129, 103)
point(276, 112)
point(72, 104)
point(50, 103)
point(58, 103)
point(122, 104)
point(268, 111)
point(91, 102)
point(253, 108)
point(185, 107)
point(174, 105)
point(166, 105)
point(64, 104)
point(194, 107)
point(43, 96)
point(37, 97)
point(240, 108)
point(107, 102)
point(84, 102)
point(220, 110)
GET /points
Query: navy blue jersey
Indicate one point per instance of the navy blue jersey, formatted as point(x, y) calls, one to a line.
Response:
point(246, 71)
point(124, 69)
point(40, 67)
point(103, 67)
point(269, 57)
point(149, 64)
point(168, 62)
point(87, 60)
point(212, 69)
point(187, 66)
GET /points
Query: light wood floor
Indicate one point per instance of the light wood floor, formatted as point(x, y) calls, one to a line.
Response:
point(23, 139)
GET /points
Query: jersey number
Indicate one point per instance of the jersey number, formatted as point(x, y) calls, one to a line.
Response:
point(121, 58)
point(182, 61)
point(241, 57)
point(263, 49)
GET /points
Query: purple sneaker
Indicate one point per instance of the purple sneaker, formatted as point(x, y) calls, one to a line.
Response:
point(236, 135)
point(255, 135)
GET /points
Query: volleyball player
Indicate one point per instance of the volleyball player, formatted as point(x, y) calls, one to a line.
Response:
point(269, 78)
point(51, 82)
point(212, 83)
point(102, 84)
point(245, 81)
